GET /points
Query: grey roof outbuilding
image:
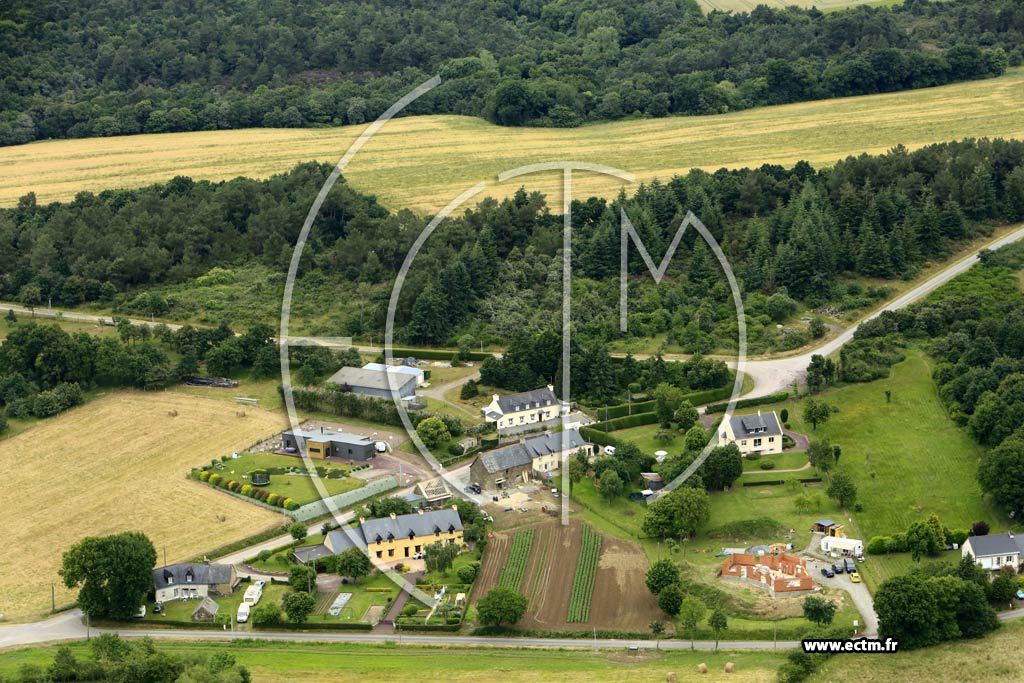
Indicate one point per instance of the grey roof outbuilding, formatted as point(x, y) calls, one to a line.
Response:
point(372, 379)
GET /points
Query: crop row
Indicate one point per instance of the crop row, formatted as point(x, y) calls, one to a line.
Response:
point(515, 566)
point(586, 572)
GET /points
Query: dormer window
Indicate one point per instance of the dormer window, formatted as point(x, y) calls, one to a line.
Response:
point(412, 534)
point(391, 536)
point(188, 576)
point(170, 580)
point(451, 528)
point(379, 539)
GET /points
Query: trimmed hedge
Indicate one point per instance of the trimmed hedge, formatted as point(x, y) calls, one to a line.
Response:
point(413, 626)
point(623, 409)
point(254, 492)
point(599, 437)
point(780, 482)
point(747, 402)
point(634, 420)
point(699, 398)
point(320, 626)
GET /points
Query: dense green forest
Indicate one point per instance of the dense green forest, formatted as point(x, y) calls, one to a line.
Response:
point(974, 328)
point(117, 67)
point(797, 238)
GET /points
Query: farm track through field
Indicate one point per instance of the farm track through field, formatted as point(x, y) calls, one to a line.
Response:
point(421, 162)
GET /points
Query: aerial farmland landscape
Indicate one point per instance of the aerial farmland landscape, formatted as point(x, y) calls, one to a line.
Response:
point(522, 341)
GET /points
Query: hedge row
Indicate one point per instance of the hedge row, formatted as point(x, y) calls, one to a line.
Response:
point(626, 422)
point(897, 543)
point(623, 409)
point(780, 482)
point(599, 437)
point(254, 492)
point(321, 626)
point(413, 626)
point(699, 398)
point(747, 402)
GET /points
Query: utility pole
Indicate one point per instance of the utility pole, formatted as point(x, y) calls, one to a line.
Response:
point(53, 598)
point(165, 556)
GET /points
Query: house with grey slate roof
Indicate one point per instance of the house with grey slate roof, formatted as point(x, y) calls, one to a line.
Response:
point(525, 410)
point(393, 538)
point(995, 551)
point(539, 457)
point(193, 581)
point(760, 433)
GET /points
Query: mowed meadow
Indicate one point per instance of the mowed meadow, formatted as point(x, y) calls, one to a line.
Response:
point(119, 463)
point(423, 162)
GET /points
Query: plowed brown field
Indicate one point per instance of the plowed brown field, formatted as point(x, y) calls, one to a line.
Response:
point(621, 600)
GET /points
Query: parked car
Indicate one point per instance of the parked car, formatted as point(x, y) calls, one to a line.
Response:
point(1020, 595)
point(860, 558)
point(837, 568)
point(243, 613)
point(158, 608)
point(609, 450)
point(141, 614)
point(850, 566)
point(418, 556)
point(828, 572)
point(855, 577)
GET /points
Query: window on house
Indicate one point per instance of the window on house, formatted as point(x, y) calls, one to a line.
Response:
point(757, 442)
point(771, 439)
point(380, 554)
point(743, 443)
point(391, 552)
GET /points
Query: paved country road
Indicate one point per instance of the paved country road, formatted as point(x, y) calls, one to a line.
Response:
point(69, 626)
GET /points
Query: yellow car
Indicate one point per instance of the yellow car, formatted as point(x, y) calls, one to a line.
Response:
point(855, 577)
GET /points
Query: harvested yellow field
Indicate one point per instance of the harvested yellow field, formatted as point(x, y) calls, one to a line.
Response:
point(119, 463)
point(423, 162)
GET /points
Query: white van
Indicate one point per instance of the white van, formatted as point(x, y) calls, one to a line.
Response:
point(243, 613)
point(609, 450)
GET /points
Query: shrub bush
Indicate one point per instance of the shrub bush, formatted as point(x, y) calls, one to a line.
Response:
point(634, 420)
point(204, 475)
point(272, 499)
point(246, 490)
point(214, 478)
point(753, 456)
point(957, 536)
point(290, 504)
point(767, 465)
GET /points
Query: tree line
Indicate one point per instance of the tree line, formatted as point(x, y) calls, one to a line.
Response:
point(106, 68)
point(794, 237)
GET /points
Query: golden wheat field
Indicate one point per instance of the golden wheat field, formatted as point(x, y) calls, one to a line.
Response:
point(423, 162)
point(119, 463)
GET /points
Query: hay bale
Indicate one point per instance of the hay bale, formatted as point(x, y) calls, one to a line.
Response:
point(730, 668)
point(702, 668)
point(172, 413)
point(670, 677)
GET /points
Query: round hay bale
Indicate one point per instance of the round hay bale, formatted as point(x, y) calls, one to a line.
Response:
point(702, 668)
point(670, 677)
point(730, 668)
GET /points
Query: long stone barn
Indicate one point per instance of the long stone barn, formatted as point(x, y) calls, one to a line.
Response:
point(539, 457)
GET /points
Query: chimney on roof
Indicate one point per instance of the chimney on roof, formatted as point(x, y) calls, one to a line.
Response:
point(419, 511)
point(394, 516)
point(321, 429)
point(495, 397)
point(551, 388)
point(362, 520)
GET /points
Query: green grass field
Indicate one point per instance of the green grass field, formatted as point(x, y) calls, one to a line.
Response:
point(907, 458)
point(318, 662)
point(403, 171)
point(299, 487)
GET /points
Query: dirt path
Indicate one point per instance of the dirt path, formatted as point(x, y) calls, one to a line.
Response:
point(437, 393)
